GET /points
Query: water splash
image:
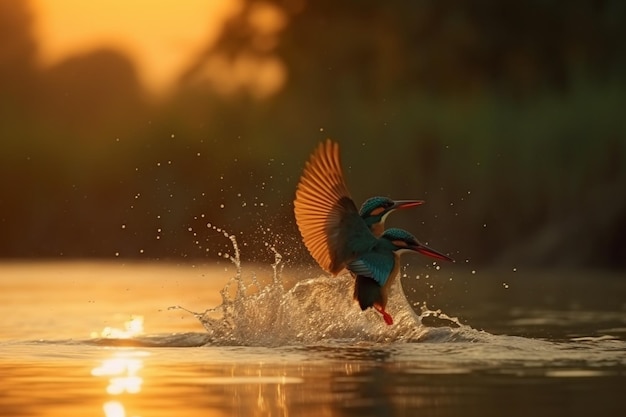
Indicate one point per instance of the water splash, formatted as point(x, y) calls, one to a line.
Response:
point(313, 311)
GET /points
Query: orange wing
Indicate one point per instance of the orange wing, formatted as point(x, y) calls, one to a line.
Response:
point(321, 206)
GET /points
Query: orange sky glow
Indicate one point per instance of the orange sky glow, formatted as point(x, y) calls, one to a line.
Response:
point(161, 36)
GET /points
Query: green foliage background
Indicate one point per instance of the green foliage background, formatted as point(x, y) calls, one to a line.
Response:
point(507, 117)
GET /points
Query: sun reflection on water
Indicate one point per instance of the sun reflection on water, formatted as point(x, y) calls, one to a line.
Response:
point(114, 409)
point(122, 368)
point(122, 372)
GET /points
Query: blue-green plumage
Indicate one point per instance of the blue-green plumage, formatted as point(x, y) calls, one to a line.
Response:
point(356, 233)
point(348, 236)
point(379, 262)
point(375, 210)
point(376, 268)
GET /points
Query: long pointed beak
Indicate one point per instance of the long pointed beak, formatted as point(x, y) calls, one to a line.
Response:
point(425, 250)
point(400, 204)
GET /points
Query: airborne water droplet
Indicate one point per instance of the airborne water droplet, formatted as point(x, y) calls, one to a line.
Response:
point(261, 312)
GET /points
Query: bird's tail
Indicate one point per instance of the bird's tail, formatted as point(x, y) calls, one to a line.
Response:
point(367, 292)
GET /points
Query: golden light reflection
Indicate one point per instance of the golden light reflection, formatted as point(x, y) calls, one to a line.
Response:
point(122, 371)
point(114, 409)
point(122, 368)
point(132, 327)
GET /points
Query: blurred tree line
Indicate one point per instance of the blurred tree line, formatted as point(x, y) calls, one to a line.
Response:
point(507, 117)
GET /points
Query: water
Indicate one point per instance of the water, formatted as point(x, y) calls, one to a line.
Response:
point(106, 339)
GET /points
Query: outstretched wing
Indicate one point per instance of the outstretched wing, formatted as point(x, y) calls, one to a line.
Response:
point(325, 213)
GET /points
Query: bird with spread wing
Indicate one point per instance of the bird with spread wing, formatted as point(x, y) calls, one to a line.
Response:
point(340, 236)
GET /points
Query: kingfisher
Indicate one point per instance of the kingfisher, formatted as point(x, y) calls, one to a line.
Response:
point(375, 270)
point(337, 234)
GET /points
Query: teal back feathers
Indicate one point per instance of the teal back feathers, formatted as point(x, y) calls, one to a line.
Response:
point(379, 262)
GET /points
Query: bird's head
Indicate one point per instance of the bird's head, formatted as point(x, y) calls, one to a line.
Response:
point(403, 241)
point(376, 209)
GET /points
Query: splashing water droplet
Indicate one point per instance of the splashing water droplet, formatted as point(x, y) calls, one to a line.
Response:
point(312, 311)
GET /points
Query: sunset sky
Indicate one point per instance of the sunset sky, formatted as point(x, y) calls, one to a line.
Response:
point(161, 36)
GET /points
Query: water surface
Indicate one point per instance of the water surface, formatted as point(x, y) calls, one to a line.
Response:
point(100, 339)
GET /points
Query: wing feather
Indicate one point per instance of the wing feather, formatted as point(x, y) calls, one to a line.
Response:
point(323, 208)
point(376, 265)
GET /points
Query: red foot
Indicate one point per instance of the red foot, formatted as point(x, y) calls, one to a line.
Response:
point(386, 316)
